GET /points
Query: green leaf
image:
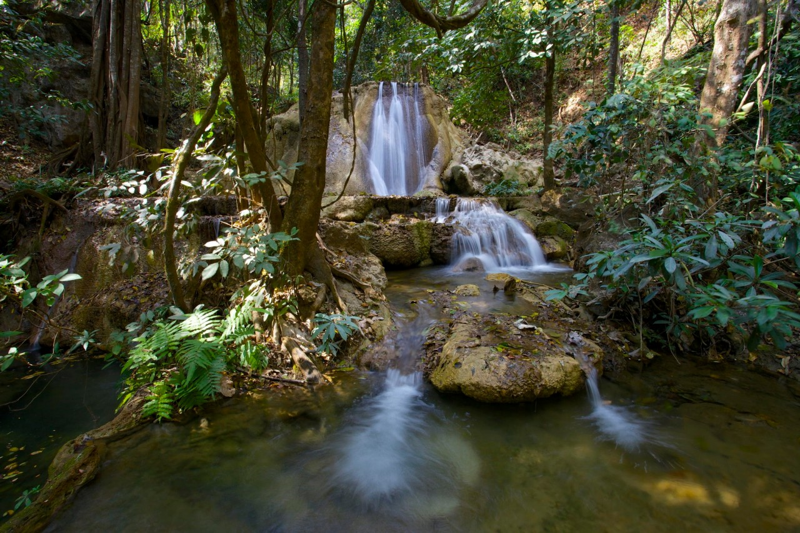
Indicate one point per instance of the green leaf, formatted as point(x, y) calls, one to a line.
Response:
point(71, 277)
point(670, 265)
point(28, 297)
point(210, 271)
point(659, 191)
point(6, 334)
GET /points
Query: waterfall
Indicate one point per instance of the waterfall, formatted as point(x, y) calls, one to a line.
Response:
point(489, 235)
point(614, 422)
point(397, 156)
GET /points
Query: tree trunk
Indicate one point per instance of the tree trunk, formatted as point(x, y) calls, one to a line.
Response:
point(115, 80)
point(549, 84)
point(305, 201)
point(264, 92)
point(670, 28)
point(182, 159)
point(613, 48)
point(762, 137)
point(351, 61)
point(163, 108)
point(302, 58)
point(726, 69)
point(224, 13)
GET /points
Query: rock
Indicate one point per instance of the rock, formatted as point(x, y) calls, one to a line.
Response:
point(505, 367)
point(471, 264)
point(467, 290)
point(572, 207)
point(348, 208)
point(555, 228)
point(528, 218)
point(500, 276)
point(402, 242)
point(378, 214)
point(442, 243)
point(554, 247)
point(481, 165)
point(510, 286)
point(350, 243)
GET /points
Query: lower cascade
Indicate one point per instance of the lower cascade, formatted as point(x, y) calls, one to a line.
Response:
point(493, 238)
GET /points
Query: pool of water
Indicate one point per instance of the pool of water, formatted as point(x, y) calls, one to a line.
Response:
point(385, 452)
point(40, 412)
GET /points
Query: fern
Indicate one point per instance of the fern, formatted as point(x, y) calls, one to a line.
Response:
point(159, 402)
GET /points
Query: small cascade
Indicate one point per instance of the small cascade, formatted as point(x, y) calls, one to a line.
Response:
point(385, 456)
point(494, 238)
point(614, 422)
point(216, 221)
point(397, 155)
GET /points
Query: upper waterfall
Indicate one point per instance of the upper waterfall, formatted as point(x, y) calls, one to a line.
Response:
point(398, 155)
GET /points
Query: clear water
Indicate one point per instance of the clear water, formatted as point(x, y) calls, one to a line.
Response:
point(385, 452)
point(39, 414)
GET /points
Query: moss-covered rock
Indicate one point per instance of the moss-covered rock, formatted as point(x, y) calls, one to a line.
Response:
point(402, 242)
point(552, 227)
point(491, 359)
point(554, 247)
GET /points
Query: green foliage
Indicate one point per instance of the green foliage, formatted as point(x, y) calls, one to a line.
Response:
point(181, 359)
point(329, 328)
point(503, 187)
point(27, 497)
point(25, 60)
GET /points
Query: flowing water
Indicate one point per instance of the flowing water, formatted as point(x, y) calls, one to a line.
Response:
point(398, 155)
point(498, 241)
point(385, 452)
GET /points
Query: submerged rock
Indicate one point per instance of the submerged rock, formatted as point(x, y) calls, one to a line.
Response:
point(471, 264)
point(503, 364)
point(467, 290)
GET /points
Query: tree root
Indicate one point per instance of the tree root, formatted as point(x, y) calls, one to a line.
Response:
point(292, 341)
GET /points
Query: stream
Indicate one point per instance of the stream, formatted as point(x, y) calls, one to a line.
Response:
point(386, 452)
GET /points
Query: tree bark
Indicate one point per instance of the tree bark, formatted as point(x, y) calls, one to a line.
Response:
point(224, 13)
point(115, 80)
point(613, 48)
point(549, 85)
point(305, 201)
point(670, 28)
point(726, 68)
point(264, 92)
point(163, 108)
point(351, 61)
point(182, 159)
point(302, 58)
point(443, 23)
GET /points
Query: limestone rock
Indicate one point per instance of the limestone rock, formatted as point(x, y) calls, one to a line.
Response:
point(441, 243)
point(517, 366)
point(481, 165)
point(348, 208)
point(402, 242)
point(554, 247)
point(528, 218)
point(554, 228)
point(467, 290)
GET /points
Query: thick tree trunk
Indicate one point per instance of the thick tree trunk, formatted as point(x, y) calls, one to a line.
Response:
point(305, 201)
point(163, 108)
point(726, 69)
point(547, 135)
point(224, 13)
point(302, 58)
point(182, 159)
point(613, 48)
point(115, 80)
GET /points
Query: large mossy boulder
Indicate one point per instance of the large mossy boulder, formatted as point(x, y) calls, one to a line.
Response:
point(495, 358)
point(347, 208)
point(402, 242)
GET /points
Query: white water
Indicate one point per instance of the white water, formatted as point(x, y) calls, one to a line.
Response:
point(497, 240)
point(614, 422)
point(397, 157)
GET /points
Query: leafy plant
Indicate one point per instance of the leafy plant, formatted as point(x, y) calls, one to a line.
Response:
point(331, 330)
